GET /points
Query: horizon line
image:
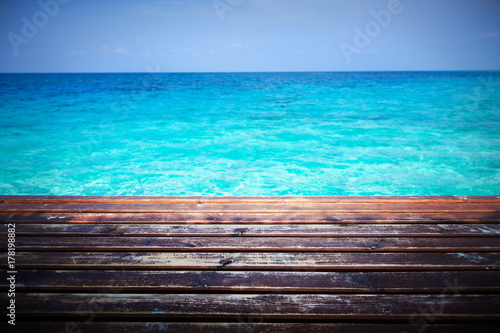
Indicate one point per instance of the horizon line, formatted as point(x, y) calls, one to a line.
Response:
point(257, 72)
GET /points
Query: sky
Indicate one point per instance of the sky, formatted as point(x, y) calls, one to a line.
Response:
point(248, 35)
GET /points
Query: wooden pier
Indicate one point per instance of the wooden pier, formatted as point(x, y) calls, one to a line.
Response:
point(252, 264)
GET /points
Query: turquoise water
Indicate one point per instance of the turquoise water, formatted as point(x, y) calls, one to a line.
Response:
point(393, 133)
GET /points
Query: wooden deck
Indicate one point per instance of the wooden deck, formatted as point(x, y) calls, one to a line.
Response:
point(252, 264)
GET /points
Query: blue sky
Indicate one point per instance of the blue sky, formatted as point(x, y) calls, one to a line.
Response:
point(248, 35)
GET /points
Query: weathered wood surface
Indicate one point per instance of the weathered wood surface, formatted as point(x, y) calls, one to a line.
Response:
point(257, 230)
point(257, 281)
point(312, 261)
point(245, 218)
point(251, 324)
point(268, 208)
point(259, 244)
point(267, 306)
point(255, 264)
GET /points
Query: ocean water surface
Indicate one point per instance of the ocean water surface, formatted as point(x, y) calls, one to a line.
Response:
point(380, 133)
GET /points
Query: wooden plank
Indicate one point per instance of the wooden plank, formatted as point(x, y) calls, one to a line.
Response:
point(267, 306)
point(257, 244)
point(339, 207)
point(222, 217)
point(362, 261)
point(254, 230)
point(247, 324)
point(235, 261)
point(480, 198)
point(121, 281)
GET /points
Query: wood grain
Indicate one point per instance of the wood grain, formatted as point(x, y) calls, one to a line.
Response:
point(254, 264)
point(321, 207)
point(224, 217)
point(361, 261)
point(240, 199)
point(247, 325)
point(266, 306)
point(119, 281)
point(257, 244)
point(256, 230)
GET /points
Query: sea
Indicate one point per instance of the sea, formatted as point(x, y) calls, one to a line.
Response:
point(250, 134)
